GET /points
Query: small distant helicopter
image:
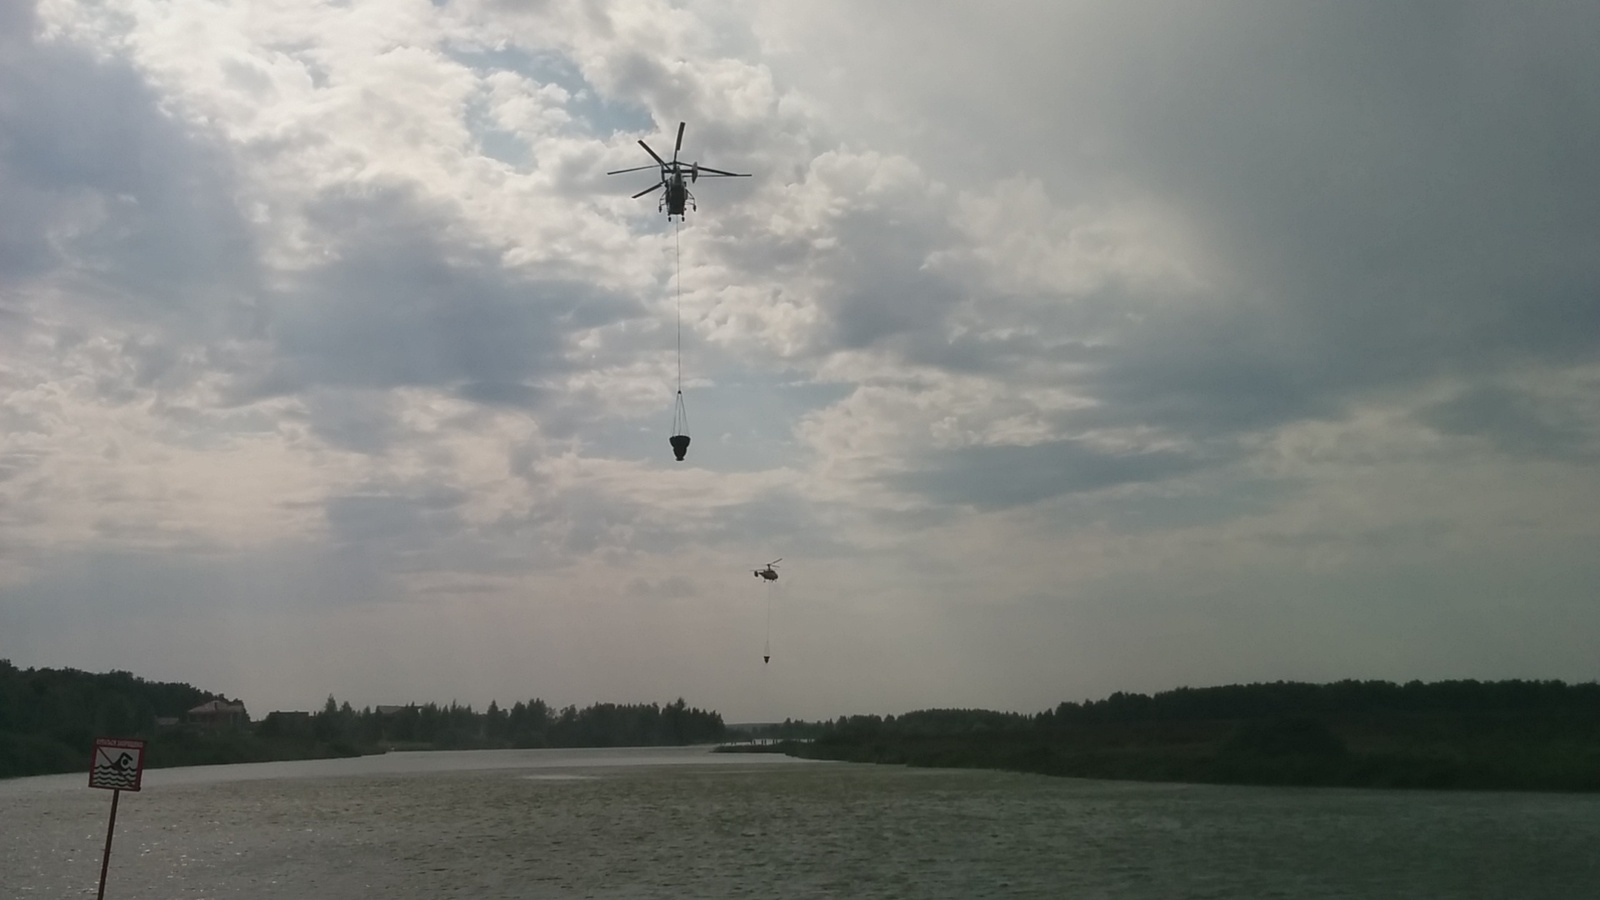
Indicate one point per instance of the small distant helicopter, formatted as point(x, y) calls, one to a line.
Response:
point(677, 195)
point(770, 573)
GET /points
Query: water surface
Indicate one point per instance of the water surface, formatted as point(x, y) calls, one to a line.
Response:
point(687, 823)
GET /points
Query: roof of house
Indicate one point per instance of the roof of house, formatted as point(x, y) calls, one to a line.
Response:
point(215, 707)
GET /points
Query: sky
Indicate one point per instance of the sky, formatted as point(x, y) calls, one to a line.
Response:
point(1057, 348)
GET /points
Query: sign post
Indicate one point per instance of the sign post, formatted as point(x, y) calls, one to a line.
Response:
point(117, 766)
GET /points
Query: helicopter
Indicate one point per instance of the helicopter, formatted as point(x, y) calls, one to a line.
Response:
point(770, 573)
point(677, 196)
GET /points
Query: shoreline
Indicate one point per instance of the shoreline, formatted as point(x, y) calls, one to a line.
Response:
point(1281, 753)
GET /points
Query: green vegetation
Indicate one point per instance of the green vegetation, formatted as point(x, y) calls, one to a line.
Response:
point(1508, 735)
point(1527, 735)
point(49, 719)
point(524, 725)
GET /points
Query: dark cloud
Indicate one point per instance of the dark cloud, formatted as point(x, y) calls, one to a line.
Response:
point(585, 521)
point(98, 178)
point(589, 522)
point(401, 305)
point(1381, 195)
point(883, 291)
point(1516, 423)
point(1407, 192)
point(502, 393)
point(782, 520)
point(1212, 497)
point(405, 302)
point(1005, 476)
point(396, 521)
point(361, 421)
point(1204, 374)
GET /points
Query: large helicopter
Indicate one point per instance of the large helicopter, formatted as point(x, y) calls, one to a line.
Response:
point(677, 195)
point(770, 573)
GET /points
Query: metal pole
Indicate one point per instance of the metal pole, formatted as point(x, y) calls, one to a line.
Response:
point(105, 861)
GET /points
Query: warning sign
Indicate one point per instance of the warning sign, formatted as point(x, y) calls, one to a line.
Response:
point(118, 764)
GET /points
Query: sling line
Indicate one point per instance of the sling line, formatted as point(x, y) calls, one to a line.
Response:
point(680, 415)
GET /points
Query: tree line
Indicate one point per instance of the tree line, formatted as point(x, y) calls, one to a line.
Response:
point(49, 719)
point(529, 724)
point(1234, 702)
point(1520, 735)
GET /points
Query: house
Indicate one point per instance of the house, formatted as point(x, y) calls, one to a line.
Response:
point(219, 714)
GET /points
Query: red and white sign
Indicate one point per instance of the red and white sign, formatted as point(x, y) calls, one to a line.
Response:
point(118, 764)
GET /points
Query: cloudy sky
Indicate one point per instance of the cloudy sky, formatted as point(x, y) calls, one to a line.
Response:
point(1058, 348)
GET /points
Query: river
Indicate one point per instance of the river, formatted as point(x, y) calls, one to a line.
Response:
point(685, 823)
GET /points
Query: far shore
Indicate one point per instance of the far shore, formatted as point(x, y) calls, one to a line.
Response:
point(1440, 753)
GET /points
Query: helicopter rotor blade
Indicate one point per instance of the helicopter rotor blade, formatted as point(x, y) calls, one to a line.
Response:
point(709, 171)
point(679, 145)
point(649, 190)
point(653, 155)
point(775, 562)
point(634, 169)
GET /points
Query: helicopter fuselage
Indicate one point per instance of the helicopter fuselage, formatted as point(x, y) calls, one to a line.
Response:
point(676, 198)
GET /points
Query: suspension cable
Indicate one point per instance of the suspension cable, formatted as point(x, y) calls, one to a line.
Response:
point(680, 414)
point(677, 248)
